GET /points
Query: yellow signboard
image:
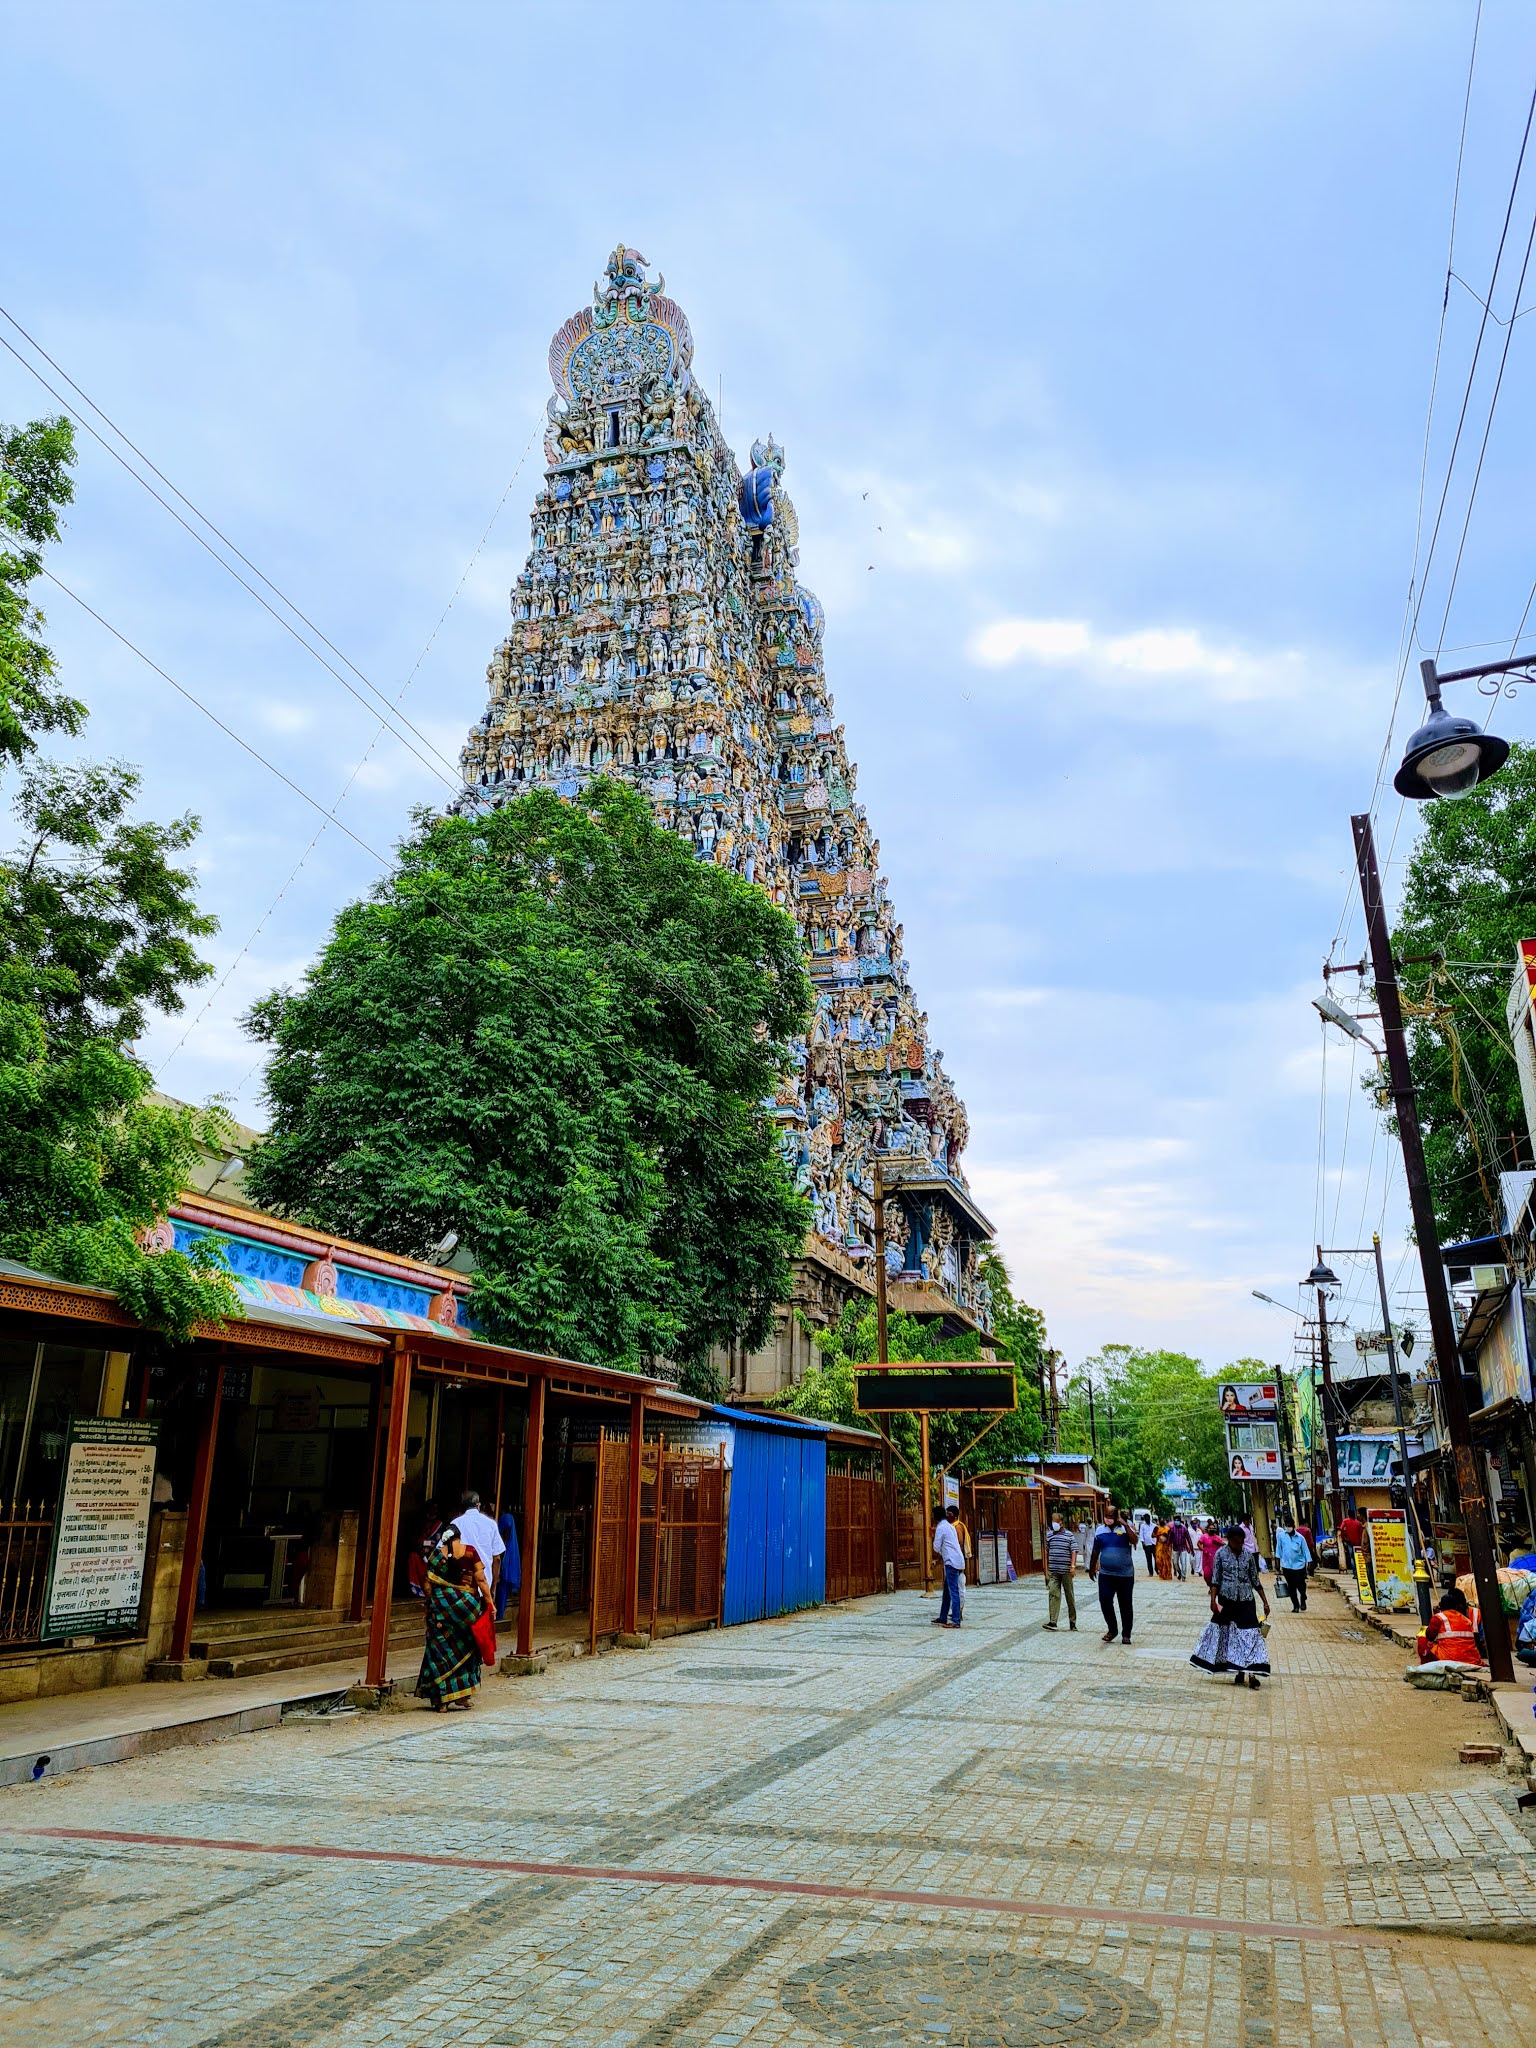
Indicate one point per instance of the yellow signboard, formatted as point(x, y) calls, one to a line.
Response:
point(1363, 1580)
point(1389, 1555)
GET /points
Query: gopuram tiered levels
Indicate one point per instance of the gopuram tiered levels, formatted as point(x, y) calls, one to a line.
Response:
point(659, 633)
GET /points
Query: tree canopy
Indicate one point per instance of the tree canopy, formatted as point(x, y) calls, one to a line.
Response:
point(1155, 1412)
point(1469, 895)
point(97, 927)
point(552, 1030)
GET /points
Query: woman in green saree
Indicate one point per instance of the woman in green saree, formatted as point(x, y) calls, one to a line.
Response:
point(456, 1596)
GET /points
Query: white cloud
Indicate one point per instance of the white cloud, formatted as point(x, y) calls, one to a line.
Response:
point(280, 717)
point(1228, 674)
point(1011, 640)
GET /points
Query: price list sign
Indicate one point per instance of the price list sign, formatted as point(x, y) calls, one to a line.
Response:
point(101, 1530)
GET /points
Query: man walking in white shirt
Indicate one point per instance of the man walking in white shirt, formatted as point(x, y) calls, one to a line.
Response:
point(482, 1534)
point(946, 1548)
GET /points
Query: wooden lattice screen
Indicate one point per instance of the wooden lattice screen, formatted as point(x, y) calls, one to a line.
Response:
point(610, 1532)
point(858, 1514)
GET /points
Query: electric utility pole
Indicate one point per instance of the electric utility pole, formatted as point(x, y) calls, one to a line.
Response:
point(1330, 1412)
point(1453, 1400)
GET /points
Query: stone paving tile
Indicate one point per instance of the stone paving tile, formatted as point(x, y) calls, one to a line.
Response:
point(856, 1750)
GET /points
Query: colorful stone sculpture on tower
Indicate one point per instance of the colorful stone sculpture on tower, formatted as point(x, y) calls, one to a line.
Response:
point(659, 634)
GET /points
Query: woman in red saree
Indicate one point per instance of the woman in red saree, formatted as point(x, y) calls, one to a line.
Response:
point(456, 1597)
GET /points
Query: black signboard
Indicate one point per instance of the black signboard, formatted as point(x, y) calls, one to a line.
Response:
point(894, 1389)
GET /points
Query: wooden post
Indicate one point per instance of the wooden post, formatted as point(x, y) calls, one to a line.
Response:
point(357, 1605)
point(533, 1469)
point(889, 1464)
point(888, 1475)
point(879, 1207)
point(594, 1567)
point(925, 1532)
point(389, 1520)
point(197, 1516)
point(632, 1532)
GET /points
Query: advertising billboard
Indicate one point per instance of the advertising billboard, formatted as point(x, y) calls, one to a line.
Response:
point(1259, 1466)
point(1243, 1399)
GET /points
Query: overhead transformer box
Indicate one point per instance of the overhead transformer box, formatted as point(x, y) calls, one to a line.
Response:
point(894, 1390)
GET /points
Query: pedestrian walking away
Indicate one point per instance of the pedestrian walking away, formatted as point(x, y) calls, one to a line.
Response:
point(1112, 1564)
point(1162, 1550)
point(946, 1548)
point(1208, 1545)
point(1352, 1529)
point(1292, 1556)
point(1232, 1640)
point(457, 1595)
point(1060, 1562)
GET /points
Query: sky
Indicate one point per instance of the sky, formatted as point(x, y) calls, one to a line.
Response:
point(1102, 343)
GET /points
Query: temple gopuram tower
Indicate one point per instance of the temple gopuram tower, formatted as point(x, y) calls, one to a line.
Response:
point(659, 633)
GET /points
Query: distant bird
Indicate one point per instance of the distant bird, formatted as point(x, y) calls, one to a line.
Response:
point(863, 494)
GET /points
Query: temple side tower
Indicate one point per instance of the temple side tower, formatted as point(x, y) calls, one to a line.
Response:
point(659, 633)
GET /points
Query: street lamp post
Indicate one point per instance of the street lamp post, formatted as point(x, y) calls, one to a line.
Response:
point(1446, 757)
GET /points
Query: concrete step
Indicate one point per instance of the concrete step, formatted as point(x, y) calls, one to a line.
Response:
point(340, 1636)
point(237, 1621)
point(245, 1621)
point(240, 1663)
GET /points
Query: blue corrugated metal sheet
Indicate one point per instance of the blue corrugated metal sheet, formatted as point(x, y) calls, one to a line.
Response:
point(776, 1527)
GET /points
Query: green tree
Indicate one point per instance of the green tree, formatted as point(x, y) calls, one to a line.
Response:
point(826, 1394)
point(553, 1031)
point(1156, 1411)
point(35, 486)
point(1469, 895)
point(97, 926)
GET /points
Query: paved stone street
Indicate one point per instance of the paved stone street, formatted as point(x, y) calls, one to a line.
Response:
point(847, 1827)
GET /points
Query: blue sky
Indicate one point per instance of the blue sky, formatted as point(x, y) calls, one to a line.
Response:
point(1100, 340)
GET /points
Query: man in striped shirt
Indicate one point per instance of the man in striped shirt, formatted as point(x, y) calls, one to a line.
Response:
point(1060, 1558)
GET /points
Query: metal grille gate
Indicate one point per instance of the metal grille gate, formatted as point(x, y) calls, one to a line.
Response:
point(681, 1537)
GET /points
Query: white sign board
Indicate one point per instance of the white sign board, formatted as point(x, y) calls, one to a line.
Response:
point(1252, 1436)
point(951, 1492)
point(101, 1528)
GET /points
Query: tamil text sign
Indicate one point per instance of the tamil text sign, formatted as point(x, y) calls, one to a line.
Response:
point(1391, 1564)
point(101, 1530)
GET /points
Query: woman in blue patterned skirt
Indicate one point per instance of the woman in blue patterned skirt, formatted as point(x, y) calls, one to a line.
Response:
point(1232, 1640)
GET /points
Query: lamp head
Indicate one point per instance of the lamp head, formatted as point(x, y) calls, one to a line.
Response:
point(1448, 757)
point(1324, 1277)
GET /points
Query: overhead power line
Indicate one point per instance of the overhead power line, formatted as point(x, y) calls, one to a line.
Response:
point(260, 925)
point(446, 773)
point(213, 717)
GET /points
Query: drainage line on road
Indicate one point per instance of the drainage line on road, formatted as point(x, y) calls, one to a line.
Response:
point(1025, 1909)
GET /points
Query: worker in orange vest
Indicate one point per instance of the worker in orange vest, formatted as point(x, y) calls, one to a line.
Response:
point(1450, 1636)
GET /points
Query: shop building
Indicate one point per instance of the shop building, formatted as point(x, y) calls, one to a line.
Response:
point(303, 1448)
